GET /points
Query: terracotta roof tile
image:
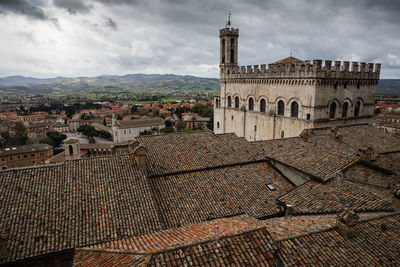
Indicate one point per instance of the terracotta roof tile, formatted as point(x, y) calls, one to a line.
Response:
point(197, 196)
point(314, 197)
point(293, 226)
point(320, 156)
point(58, 207)
point(372, 245)
point(376, 242)
point(194, 151)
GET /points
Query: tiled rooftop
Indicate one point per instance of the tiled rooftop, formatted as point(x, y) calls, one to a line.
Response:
point(372, 245)
point(293, 226)
point(389, 161)
point(361, 135)
point(320, 156)
point(198, 196)
point(193, 151)
point(181, 236)
point(315, 198)
point(375, 242)
point(58, 207)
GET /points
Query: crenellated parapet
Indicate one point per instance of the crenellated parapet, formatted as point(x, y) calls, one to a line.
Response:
point(228, 32)
point(317, 69)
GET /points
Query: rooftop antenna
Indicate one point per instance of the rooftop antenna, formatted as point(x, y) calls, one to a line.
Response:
point(228, 23)
point(291, 54)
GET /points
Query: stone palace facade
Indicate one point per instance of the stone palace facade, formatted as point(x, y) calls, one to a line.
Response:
point(279, 101)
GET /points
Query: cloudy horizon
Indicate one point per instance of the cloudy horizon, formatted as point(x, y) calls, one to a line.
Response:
point(70, 38)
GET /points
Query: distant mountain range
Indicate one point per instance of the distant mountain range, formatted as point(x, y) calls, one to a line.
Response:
point(22, 80)
point(389, 86)
point(136, 82)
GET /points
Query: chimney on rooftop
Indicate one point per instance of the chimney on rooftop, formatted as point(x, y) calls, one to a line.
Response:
point(288, 210)
point(346, 221)
point(366, 153)
point(132, 145)
point(335, 133)
point(305, 134)
point(139, 153)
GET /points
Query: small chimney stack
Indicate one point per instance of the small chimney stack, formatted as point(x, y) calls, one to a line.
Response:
point(305, 134)
point(132, 145)
point(346, 221)
point(396, 191)
point(140, 157)
point(335, 133)
point(288, 210)
point(366, 153)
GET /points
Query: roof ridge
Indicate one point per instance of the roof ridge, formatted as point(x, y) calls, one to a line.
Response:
point(210, 168)
point(176, 133)
point(334, 227)
point(179, 246)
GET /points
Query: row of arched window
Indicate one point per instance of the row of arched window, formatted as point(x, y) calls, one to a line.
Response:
point(345, 109)
point(294, 107)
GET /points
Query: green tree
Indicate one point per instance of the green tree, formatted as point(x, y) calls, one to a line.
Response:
point(146, 132)
point(21, 136)
point(168, 123)
point(48, 141)
point(167, 130)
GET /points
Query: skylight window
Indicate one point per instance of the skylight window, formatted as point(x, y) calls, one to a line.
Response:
point(271, 187)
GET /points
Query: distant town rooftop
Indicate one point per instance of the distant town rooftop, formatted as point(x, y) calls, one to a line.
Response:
point(23, 149)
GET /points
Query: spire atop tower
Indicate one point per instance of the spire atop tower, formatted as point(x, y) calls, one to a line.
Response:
point(228, 23)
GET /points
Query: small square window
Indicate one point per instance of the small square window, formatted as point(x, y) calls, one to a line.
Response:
point(271, 187)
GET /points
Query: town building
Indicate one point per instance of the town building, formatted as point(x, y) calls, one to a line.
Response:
point(194, 122)
point(26, 155)
point(125, 131)
point(290, 95)
point(388, 122)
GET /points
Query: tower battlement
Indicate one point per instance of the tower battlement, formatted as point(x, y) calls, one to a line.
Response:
point(228, 31)
point(337, 70)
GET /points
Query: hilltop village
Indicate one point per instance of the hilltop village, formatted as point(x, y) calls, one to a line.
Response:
point(275, 184)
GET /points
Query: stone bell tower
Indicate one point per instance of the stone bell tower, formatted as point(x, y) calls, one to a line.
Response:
point(228, 47)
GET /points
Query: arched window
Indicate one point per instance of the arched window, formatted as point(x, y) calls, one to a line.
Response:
point(357, 109)
point(232, 50)
point(217, 124)
point(229, 101)
point(262, 105)
point(71, 150)
point(294, 110)
point(251, 104)
point(332, 110)
point(237, 102)
point(344, 109)
point(281, 108)
point(223, 51)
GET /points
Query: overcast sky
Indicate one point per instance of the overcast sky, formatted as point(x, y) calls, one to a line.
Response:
point(49, 38)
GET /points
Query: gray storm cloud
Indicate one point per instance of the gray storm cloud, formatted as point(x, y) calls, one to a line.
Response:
point(181, 37)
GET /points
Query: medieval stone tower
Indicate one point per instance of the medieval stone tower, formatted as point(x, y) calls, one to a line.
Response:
point(261, 103)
